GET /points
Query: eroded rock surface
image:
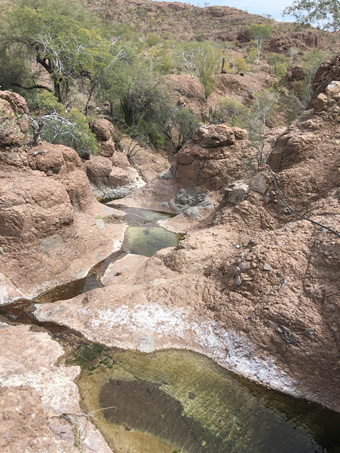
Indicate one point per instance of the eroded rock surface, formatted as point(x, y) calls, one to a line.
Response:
point(112, 177)
point(216, 156)
point(250, 285)
point(39, 400)
point(52, 230)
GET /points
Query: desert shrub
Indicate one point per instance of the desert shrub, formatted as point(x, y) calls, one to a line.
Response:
point(241, 65)
point(231, 111)
point(202, 61)
point(294, 97)
point(70, 129)
point(279, 63)
point(180, 127)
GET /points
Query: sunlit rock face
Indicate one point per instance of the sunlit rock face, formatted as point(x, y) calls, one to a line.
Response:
point(51, 227)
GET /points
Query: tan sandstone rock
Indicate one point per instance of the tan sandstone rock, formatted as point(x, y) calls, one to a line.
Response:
point(35, 393)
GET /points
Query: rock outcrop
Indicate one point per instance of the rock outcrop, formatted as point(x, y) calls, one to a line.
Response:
point(110, 172)
point(40, 409)
point(112, 177)
point(327, 72)
point(251, 285)
point(52, 230)
point(104, 130)
point(216, 156)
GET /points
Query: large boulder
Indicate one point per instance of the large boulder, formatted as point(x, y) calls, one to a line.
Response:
point(63, 164)
point(104, 130)
point(307, 155)
point(112, 177)
point(32, 207)
point(216, 156)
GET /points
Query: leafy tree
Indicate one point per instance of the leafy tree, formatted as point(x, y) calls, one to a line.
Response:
point(326, 12)
point(62, 38)
point(202, 61)
point(16, 73)
point(141, 103)
point(143, 109)
point(260, 32)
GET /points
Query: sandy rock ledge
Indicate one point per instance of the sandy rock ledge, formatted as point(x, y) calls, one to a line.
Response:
point(39, 401)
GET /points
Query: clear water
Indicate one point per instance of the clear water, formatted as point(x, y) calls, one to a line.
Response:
point(147, 240)
point(178, 401)
point(181, 401)
point(143, 237)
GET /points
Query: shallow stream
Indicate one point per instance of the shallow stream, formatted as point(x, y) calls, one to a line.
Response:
point(177, 401)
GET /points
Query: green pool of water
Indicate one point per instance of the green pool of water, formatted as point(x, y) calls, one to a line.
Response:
point(145, 236)
point(181, 401)
point(146, 240)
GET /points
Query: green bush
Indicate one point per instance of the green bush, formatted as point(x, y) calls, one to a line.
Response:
point(232, 111)
point(180, 127)
point(70, 129)
point(241, 65)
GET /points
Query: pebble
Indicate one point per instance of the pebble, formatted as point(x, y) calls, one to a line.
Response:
point(267, 267)
point(238, 280)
